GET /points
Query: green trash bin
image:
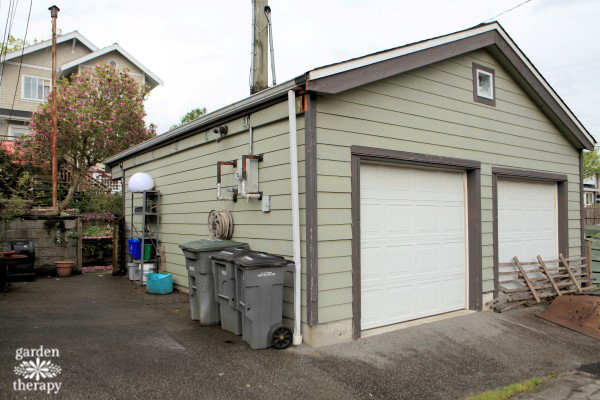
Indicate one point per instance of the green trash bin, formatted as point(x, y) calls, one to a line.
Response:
point(204, 307)
point(148, 251)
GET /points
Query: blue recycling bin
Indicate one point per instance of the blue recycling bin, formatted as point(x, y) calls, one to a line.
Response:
point(135, 248)
point(159, 283)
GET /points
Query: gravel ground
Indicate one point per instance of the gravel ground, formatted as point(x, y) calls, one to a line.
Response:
point(117, 342)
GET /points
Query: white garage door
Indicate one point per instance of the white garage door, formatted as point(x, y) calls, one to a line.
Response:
point(413, 251)
point(527, 220)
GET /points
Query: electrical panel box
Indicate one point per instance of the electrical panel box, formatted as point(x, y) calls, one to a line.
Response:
point(266, 203)
point(251, 175)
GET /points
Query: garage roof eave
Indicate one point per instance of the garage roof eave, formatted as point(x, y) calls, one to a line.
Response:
point(208, 120)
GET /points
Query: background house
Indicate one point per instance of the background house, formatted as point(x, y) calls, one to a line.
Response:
point(591, 189)
point(26, 77)
point(420, 169)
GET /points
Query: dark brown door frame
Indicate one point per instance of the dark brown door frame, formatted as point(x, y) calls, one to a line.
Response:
point(536, 176)
point(473, 170)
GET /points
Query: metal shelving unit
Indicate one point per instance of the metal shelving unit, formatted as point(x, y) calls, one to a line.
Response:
point(145, 223)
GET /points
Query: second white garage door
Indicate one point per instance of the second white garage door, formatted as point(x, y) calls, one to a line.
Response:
point(527, 220)
point(413, 248)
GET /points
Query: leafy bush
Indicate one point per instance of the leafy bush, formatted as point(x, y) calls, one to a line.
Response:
point(99, 202)
point(16, 178)
point(15, 190)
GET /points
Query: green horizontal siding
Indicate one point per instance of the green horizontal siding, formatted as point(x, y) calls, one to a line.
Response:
point(186, 179)
point(429, 111)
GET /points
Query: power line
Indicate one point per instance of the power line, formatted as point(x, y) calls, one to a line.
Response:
point(21, 61)
point(504, 12)
point(575, 64)
point(574, 71)
point(4, 44)
point(4, 40)
point(2, 50)
point(12, 20)
point(7, 29)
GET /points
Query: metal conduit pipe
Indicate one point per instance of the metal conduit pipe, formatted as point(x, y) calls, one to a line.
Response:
point(295, 216)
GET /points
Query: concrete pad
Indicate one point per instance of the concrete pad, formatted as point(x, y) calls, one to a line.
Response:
point(116, 341)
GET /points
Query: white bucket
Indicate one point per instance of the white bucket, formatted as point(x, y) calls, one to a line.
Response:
point(134, 271)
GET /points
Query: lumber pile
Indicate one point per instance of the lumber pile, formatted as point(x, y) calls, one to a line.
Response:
point(528, 283)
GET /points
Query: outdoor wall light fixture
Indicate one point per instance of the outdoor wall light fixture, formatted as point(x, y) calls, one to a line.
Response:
point(221, 131)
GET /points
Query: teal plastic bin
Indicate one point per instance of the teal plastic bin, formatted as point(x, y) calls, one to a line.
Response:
point(159, 283)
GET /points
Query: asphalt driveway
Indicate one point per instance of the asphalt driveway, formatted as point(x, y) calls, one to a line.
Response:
point(116, 342)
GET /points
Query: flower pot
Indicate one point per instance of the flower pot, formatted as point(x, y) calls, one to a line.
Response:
point(7, 253)
point(64, 268)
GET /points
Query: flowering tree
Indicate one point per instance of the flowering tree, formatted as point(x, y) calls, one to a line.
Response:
point(100, 112)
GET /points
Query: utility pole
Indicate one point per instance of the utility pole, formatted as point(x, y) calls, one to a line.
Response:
point(54, 14)
point(260, 47)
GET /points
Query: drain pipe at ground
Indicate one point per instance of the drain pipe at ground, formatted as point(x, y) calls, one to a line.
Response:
point(295, 217)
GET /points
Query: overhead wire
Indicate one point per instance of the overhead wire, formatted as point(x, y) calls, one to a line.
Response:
point(4, 41)
point(564, 73)
point(4, 44)
point(7, 33)
point(12, 20)
point(504, 12)
point(21, 60)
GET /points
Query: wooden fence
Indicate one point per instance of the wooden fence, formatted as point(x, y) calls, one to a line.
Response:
point(595, 260)
point(591, 216)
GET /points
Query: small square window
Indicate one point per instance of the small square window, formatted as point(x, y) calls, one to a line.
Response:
point(484, 85)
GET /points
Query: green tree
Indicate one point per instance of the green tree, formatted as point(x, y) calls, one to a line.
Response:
point(591, 164)
point(16, 183)
point(100, 112)
point(14, 44)
point(190, 116)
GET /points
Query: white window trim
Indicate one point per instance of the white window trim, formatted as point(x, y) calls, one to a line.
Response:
point(10, 131)
point(23, 98)
point(115, 61)
point(589, 195)
point(480, 71)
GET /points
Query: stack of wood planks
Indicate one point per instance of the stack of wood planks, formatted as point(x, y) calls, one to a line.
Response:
point(527, 283)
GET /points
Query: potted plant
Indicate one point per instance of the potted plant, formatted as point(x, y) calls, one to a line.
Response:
point(64, 268)
point(7, 253)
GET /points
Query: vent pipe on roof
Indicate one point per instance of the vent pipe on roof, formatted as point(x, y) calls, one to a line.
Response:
point(260, 61)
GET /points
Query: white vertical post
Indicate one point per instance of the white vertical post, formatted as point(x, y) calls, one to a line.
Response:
point(295, 217)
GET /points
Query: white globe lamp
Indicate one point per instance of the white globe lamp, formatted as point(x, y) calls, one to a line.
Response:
point(140, 182)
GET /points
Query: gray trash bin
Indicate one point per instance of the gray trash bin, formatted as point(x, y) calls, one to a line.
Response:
point(224, 277)
point(201, 286)
point(259, 291)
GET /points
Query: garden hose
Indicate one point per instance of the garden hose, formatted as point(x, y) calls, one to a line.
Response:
point(220, 224)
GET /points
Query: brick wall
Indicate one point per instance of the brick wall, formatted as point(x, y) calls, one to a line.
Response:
point(45, 232)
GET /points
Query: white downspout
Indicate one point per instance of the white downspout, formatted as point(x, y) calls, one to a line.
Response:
point(295, 217)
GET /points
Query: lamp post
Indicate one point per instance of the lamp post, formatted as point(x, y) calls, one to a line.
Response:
point(54, 14)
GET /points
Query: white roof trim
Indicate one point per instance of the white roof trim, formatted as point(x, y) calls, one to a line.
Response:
point(543, 82)
point(396, 52)
point(47, 43)
point(106, 50)
point(412, 48)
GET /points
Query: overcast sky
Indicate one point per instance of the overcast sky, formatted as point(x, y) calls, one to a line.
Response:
point(201, 48)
